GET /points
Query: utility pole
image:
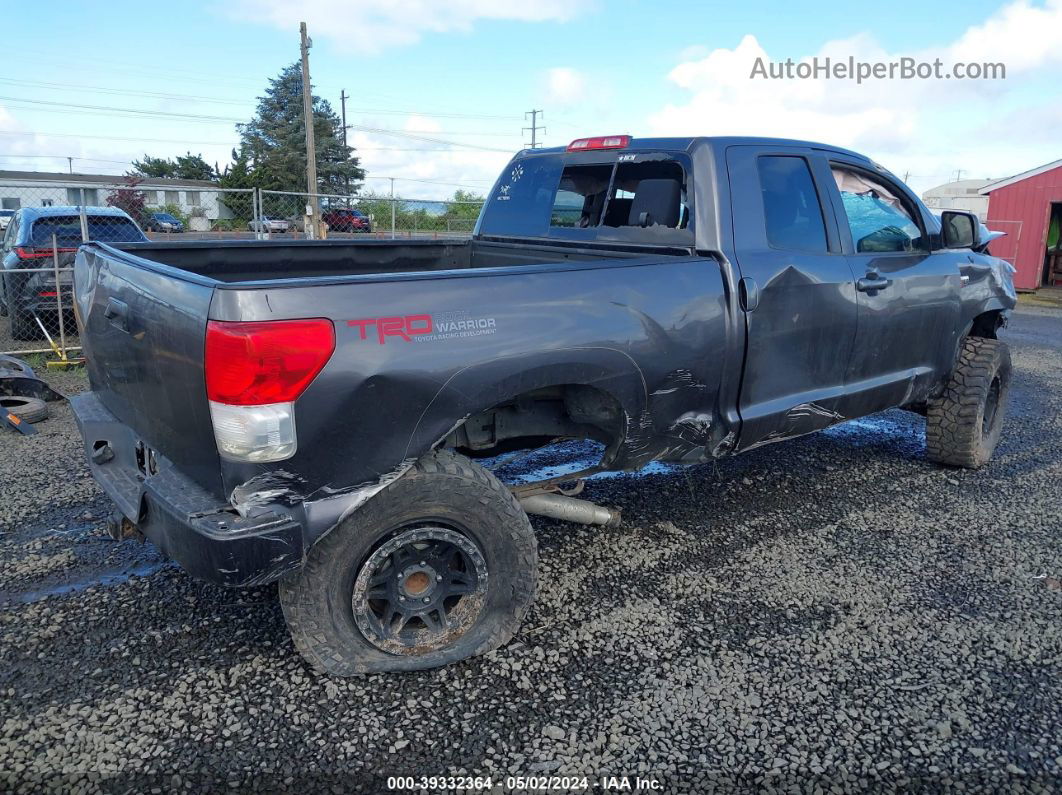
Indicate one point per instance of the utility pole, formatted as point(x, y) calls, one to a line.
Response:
point(392, 208)
point(343, 105)
point(534, 128)
point(307, 117)
point(958, 173)
point(70, 164)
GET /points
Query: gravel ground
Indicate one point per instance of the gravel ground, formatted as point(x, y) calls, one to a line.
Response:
point(830, 614)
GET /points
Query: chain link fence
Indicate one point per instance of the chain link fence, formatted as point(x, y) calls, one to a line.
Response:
point(289, 214)
point(36, 283)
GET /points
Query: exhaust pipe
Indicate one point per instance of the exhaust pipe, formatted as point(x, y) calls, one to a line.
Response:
point(569, 509)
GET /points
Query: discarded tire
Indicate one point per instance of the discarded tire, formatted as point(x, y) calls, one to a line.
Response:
point(27, 409)
point(437, 567)
point(963, 425)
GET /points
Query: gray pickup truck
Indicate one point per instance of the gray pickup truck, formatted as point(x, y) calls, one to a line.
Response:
point(309, 412)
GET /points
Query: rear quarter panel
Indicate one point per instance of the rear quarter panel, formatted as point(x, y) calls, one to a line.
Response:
point(654, 335)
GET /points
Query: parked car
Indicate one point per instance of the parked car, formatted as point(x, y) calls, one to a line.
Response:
point(333, 394)
point(266, 224)
point(346, 220)
point(29, 285)
point(164, 222)
point(5, 218)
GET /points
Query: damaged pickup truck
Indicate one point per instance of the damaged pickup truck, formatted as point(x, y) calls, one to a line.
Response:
point(310, 412)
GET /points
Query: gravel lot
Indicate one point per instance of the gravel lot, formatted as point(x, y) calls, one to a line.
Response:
point(833, 612)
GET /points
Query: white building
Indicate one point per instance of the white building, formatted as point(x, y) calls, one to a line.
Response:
point(47, 189)
point(963, 194)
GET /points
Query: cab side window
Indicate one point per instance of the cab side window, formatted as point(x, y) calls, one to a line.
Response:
point(791, 208)
point(879, 219)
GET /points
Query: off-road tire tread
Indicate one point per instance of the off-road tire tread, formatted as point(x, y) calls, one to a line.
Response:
point(953, 420)
point(306, 617)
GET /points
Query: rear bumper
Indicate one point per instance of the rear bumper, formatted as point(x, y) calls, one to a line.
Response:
point(190, 525)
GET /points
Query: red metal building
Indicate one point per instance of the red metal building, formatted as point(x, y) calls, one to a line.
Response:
point(1028, 207)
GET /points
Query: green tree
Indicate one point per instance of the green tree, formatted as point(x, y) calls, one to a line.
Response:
point(154, 167)
point(186, 166)
point(462, 214)
point(275, 143)
point(238, 175)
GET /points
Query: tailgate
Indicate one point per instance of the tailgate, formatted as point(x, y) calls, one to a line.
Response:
point(143, 333)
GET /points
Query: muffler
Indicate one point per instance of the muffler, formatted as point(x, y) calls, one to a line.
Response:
point(569, 509)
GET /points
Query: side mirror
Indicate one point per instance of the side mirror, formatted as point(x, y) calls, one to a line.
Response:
point(959, 229)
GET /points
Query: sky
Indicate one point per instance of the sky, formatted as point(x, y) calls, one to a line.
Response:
point(439, 90)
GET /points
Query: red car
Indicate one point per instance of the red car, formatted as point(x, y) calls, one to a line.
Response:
point(346, 220)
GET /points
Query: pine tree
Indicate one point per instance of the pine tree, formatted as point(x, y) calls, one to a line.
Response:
point(275, 142)
point(187, 166)
point(238, 175)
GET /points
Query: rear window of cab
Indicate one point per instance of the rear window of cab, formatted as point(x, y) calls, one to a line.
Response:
point(627, 197)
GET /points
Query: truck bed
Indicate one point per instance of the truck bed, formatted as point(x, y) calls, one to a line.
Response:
point(232, 261)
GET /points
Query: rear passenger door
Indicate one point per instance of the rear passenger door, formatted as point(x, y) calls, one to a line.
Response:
point(797, 291)
point(907, 293)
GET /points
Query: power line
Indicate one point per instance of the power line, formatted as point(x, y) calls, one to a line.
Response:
point(62, 157)
point(185, 142)
point(121, 91)
point(415, 137)
point(136, 111)
point(218, 100)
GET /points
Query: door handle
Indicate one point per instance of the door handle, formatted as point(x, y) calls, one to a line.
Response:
point(872, 282)
point(117, 312)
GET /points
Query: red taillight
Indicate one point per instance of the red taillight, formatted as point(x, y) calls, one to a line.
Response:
point(24, 252)
point(47, 294)
point(600, 142)
point(252, 364)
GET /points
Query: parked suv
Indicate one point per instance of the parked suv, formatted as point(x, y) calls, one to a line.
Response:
point(27, 246)
point(5, 218)
point(343, 219)
point(164, 222)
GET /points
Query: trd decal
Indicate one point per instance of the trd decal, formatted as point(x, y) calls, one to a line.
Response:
point(405, 327)
point(424, 328)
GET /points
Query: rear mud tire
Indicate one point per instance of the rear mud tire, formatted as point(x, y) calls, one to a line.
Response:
point(964, 424)
point(442, 489)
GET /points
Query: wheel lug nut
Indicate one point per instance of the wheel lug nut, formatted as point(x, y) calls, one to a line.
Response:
point(426, 600)
point(401, 599)
point(422, 563)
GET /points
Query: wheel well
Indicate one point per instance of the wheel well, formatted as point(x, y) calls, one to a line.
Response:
point(534, 418)
point(987, 324)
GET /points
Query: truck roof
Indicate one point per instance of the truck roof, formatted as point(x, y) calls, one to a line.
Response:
point(715, 142)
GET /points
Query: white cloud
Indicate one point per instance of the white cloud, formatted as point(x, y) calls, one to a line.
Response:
point(432, 174)
point(565, 86)
point(372, 26)
point(904, 123)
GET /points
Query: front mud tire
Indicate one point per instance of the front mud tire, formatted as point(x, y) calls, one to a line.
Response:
point(964, 424)
point(442, 490)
